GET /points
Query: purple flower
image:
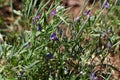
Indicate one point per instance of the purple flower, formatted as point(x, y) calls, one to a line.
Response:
point(53, 13)
point(33, 22)
point(61, 31)
point(48, 56)
point(87, 13)
point(93, 77)
point(39, 27)
point(54, 37)
point(109, 45)
point(28, 45)
point(37, 17)
point(107, 5)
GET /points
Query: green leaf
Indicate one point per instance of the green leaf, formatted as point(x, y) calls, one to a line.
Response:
point(33, 64)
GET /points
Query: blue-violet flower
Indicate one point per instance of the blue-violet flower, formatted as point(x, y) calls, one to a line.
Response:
point(39, 27)
point(54, 37)
point(48, 56)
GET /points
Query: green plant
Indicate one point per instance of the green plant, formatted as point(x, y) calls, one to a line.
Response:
point(43, 52)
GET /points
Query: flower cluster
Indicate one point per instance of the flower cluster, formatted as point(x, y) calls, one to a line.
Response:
point(53, 36)
point(36, 18)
